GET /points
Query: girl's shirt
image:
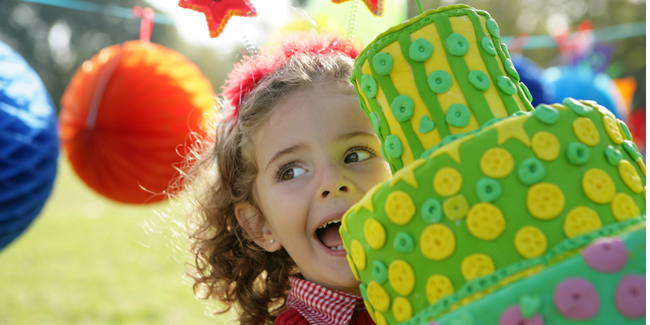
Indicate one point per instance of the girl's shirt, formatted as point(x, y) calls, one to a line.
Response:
point(313, 304)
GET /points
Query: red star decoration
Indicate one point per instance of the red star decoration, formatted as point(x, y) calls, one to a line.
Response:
point(376, 7)
point(218, 12)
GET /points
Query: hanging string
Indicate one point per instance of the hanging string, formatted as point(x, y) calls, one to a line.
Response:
point(419, 6)
point(352, 25)
point(146, 24)
point(248, 45)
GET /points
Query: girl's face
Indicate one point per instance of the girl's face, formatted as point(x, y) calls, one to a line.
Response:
point(317, 156)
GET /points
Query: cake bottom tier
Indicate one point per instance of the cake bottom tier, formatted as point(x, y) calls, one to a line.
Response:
point(603, 283)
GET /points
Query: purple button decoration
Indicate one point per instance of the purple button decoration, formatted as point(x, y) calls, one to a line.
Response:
point(630, 296)
point(29, 145)
point(576, 298)
point(607, 255)
point(513, 316)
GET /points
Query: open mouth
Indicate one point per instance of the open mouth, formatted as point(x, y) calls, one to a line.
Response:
point(329, 235)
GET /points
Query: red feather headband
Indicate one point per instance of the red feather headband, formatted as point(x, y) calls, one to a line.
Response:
point(248, 73)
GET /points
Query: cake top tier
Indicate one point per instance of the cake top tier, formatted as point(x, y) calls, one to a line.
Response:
point(440, 74)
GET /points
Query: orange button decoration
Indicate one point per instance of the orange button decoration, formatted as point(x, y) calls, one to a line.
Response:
point(126, 118)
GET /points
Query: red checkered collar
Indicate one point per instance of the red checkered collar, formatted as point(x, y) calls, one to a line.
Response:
point(320, 305)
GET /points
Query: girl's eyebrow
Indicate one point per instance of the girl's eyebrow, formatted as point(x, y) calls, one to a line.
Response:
point(284, 152)
point(348, 136)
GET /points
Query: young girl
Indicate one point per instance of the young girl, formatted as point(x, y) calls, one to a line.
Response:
point(291, 153)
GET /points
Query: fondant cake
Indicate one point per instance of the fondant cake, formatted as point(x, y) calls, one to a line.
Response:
point(497, 213)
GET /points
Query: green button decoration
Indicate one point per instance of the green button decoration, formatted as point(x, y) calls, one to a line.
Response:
point(510, 69)
point(426, 124)
point(457, 115)
point(488, 190)
point(578, 153)
point(577, 106)
point(631, 148)
point(402, 108)
point(383, 63)
point(420, 50)
point(530, 305)
point(504, 47)
point(625, 129)
point(403, 243)
point(506, 85)
point(493, 28)
point(457, 44)
point(519, 113)
point(432, 211)
point(364, 291)
point(479, 79)
point(492, 121)
point(429, 151)
point(546, 114)
point(369, 86)
point(488, 46)
point(393, 146)
point(450, 138)
point(439, 81)
point(379, 272)
point(613, 155)
point(531, 171)
point(526, 92)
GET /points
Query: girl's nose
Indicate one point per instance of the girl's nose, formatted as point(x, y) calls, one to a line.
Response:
point(342, 190)
point(334, 183)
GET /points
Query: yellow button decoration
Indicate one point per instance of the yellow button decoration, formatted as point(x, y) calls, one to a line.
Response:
point(530, 242)
point(629, 175)
point(378, 296)
point(585, 130)
point(546, 146)
point(402, 309)
point(497, 163)
point(598, 186)
point(355, 272)
point(485, 221)
point(380, 319)
point(455, 208)
point(624, 207)
point(399, 208)
point(545, 201)
point(476, 265)
point(401, 277)
point(447, 181)
point(581, 220)
point(611, 127)
point(438, 286)
point(437, 242)
point(639, 161)
point(375, 233)
point(358, 254)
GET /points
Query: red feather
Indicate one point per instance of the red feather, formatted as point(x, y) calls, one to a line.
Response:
point(248, 73)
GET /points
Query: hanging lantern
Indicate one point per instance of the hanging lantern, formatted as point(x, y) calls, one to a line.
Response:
point(126, 119)
point(29, 146)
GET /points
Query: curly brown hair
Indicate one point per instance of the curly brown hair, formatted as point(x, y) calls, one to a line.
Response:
point(226, 263)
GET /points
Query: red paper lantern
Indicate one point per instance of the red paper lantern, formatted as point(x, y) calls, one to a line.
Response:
point(126, 118)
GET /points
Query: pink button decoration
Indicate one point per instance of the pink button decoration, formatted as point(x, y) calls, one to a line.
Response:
point(630, 296)
point(607, 255)
point(576, 298)
point(513, 316)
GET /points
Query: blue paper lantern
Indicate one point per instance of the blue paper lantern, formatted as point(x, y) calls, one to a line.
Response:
point(531, 75)
point(580, 82)
point(29, 146)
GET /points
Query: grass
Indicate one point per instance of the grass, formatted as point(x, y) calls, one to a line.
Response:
point(88, 260)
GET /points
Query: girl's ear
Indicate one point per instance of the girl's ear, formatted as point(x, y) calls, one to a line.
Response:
point(255, 225)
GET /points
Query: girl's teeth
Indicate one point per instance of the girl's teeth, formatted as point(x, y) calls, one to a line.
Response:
point(338, 248)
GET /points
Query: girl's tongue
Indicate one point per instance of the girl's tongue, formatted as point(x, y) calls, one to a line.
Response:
point(330, 235)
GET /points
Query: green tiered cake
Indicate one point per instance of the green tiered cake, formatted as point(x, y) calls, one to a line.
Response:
point(497, 213)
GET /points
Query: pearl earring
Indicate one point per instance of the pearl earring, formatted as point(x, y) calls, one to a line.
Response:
point(272, 241)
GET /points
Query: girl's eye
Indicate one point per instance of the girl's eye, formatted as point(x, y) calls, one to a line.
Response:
point(356, 156)
point(291, 173)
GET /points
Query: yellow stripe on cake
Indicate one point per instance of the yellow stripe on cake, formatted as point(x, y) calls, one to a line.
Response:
point(393, 125)
point(404, 83)
point(463, 25)
point(438, 61)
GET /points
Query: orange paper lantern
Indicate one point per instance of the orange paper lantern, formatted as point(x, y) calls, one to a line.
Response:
point(126, 118)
